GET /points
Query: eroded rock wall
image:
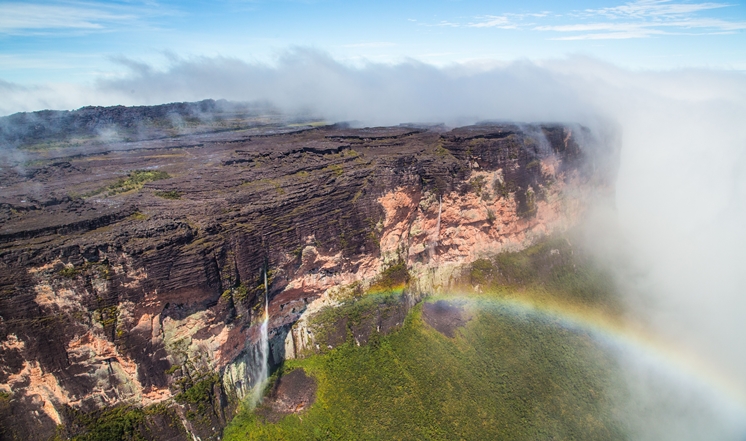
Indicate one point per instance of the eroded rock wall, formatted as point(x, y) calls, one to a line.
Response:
point(150, 295)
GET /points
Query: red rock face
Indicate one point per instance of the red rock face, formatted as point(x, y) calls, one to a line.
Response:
point(113, 294)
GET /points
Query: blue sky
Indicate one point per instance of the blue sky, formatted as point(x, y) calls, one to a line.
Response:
point(84, 41)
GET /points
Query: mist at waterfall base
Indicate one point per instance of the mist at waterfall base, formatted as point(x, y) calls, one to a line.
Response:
point(674, 234)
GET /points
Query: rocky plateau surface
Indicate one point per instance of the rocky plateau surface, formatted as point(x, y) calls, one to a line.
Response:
point(131, 273)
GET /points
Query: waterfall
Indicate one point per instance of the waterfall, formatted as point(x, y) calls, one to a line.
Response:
point(437, 226)
point(263, 349)
point(434, 240)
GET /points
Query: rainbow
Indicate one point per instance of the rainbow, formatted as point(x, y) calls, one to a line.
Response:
point(617, 334)
point(608, 330)
point(387, 291)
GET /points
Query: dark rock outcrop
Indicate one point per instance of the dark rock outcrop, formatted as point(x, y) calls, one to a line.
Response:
point(292, 393)
point(444, 316)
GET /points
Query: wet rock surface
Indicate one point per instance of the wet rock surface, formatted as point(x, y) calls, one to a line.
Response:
point(445, 316)
point(131, 271)
point(292, 393)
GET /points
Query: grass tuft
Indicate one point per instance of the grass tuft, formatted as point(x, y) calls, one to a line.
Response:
point(172, 194)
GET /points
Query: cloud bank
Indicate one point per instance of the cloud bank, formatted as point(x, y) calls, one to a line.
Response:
point(681, 189)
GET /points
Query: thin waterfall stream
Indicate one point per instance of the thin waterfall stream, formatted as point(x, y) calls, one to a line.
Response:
point(437, 226)
point(434, 239)
point(263, 368)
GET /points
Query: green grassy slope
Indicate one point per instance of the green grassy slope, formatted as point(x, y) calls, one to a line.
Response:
point(500, 378)
point(503, 376)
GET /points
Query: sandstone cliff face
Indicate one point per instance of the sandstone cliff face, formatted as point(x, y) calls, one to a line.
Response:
point(122, 286)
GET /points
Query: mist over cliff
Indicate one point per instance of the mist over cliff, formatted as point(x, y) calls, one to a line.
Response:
point(675, 233)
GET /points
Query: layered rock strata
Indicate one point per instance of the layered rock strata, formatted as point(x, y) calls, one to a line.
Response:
point(131, 275)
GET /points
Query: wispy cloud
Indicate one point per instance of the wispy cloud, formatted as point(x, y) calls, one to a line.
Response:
point(654, 8)
point(371, 44)
point(445, 24)
point(637, 19)
point(624, 30)
point(503, 21)
point(494, 21)
point(645, 18)
point(43, 18)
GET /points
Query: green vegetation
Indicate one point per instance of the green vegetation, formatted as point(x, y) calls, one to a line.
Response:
point(118, 423)
point(172, 369)
point(333, 326)
point(530, 209)
point(58, 144)
point(477, 184)
point(359, 311)
point(135, 180)
point(440, 151)
point(357, 196)
point(505, 375)
point(172, 194)
point(278, 187)
point(241, 293)
point(199, 395)
point(69, 272)
point(200, 392)
point(550, 268)
point(502, 188)
point(195, 383)
point(394, 276)
point(107, 316)
point(491, 216)
point(137, 216)
point(501, 378)
point(101, 270)
point(335, 169)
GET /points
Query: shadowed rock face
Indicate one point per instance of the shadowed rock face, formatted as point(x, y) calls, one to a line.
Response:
point(292, 393)
point(444, 316)
point(122, 285)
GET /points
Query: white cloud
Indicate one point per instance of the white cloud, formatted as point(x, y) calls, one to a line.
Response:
point(28, 16)
point(41, 18)
point(706, 23)
point(494, 21)
point(620, 35)
point(638, 19)
point(645, 18)
point(444, 23)
point(621, 30)
point(372, 44)
point(654, 8)
point(504, 21)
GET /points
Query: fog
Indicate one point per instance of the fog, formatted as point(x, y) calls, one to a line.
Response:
point(680, 208)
